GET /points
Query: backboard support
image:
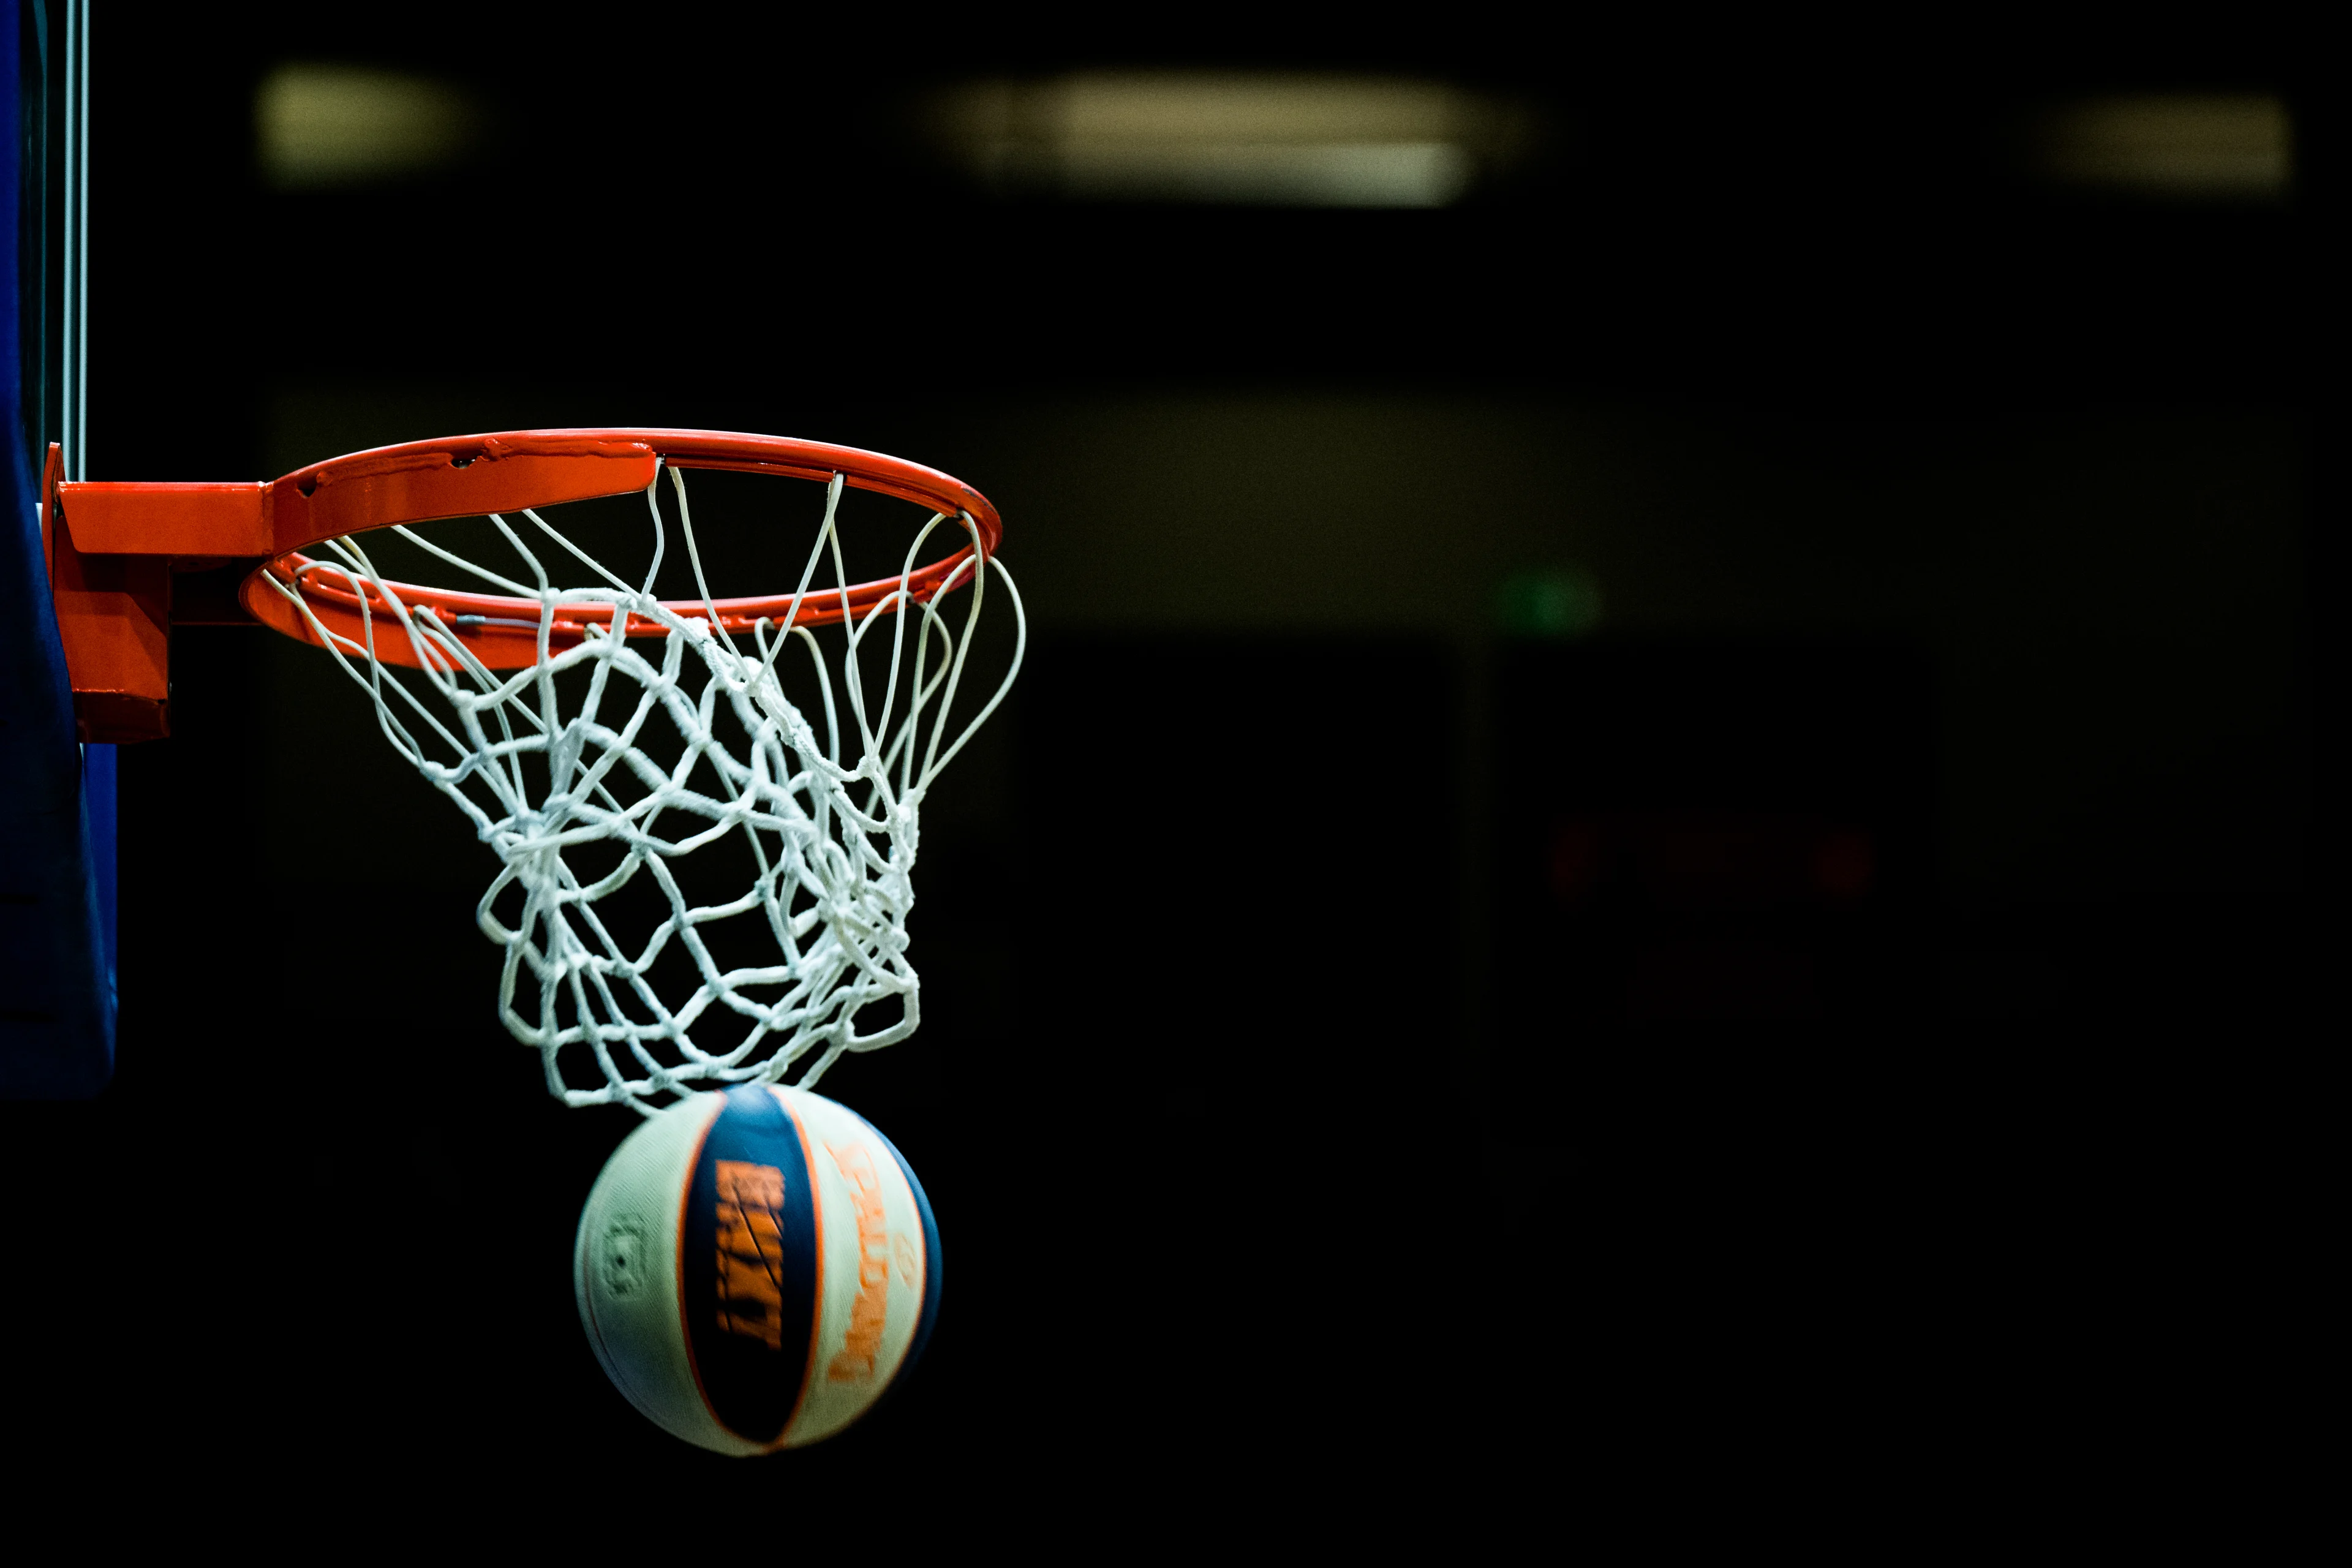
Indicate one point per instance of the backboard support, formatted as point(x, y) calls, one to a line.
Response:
point(58, 815)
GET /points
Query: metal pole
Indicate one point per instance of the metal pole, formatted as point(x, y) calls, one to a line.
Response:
point(74, 398)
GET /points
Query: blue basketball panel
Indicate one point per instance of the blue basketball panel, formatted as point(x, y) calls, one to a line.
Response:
point(749, 1290)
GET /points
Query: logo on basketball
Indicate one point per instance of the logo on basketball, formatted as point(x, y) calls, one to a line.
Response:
point(752, 1251)
point(621, 1260)
point(867, 1312)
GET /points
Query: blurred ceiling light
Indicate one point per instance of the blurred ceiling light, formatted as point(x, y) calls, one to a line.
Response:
point(2197, 146)
point(1283, 140)
point(320, 126)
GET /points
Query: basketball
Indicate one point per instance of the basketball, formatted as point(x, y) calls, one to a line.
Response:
point(756, 1268)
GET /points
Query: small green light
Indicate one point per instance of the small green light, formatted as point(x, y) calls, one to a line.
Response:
point(1558, 602)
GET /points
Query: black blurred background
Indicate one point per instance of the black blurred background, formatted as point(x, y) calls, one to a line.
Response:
point(1661, 838)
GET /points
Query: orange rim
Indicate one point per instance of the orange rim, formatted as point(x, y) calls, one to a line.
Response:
point(473, 476)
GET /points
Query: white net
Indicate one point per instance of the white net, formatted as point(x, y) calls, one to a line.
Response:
point(670, 757)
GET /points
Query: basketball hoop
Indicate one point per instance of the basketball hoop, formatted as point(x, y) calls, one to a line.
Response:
point(527, 702)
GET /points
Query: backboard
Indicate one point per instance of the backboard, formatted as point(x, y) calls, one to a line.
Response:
point(57, 797)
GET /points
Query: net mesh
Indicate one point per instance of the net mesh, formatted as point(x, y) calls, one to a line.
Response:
point(663, 758)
